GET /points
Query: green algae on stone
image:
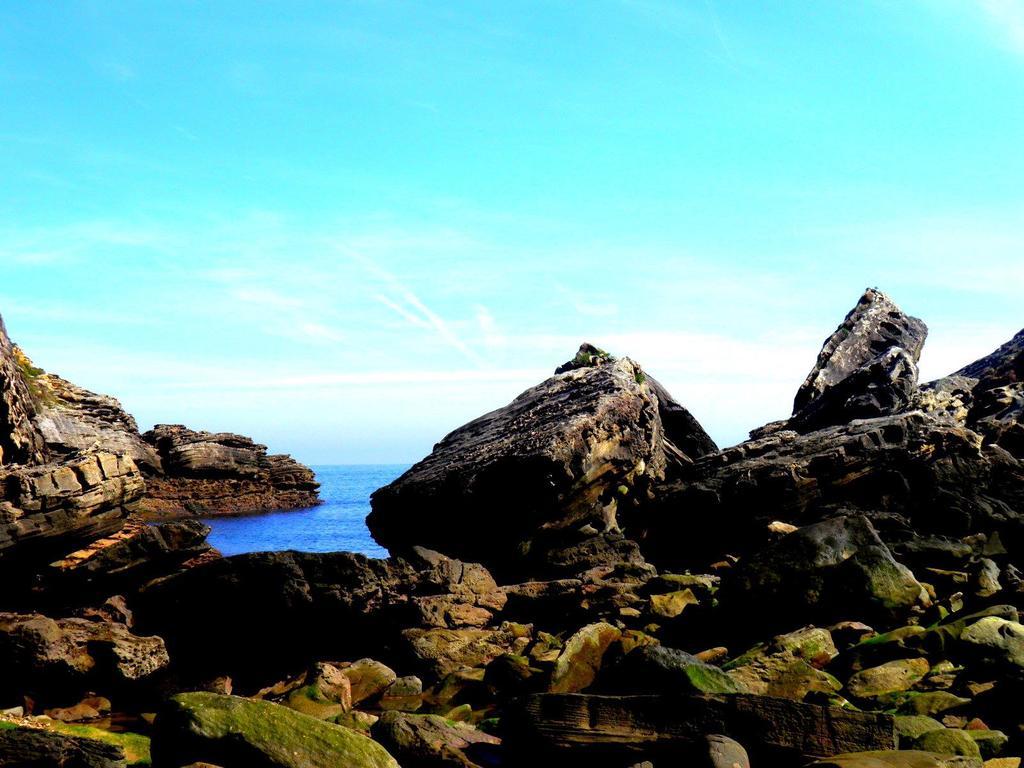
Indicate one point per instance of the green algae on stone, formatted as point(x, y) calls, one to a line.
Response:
point(909, 727)
point(990, 743)
point(891, 677)
point(209, 727)
point(996, 639)
point(948, 741)
point(930, 703)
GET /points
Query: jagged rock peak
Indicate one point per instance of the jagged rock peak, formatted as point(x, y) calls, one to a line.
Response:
point(866, 368)
point(20, 441)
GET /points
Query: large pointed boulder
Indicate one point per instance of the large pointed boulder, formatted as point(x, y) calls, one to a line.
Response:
point(570, 457)
point(867, 368)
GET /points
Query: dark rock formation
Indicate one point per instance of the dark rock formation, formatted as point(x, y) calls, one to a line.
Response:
point(588, 730)
point(220, 473)
point(823, 573)
point(576, 453)
point(987, 396)
point(867, 368)
point(263, 614)
point(34, 748)
point(58, 660)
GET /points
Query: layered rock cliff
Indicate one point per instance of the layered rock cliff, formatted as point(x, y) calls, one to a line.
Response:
point(221, 473)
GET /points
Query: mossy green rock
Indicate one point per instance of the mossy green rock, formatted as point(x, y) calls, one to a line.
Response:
point(909, 727)
point(892, 677)
point(931, 703)
point(990, 743)
point(948, 741)
point(228, 730)
point(997, 640)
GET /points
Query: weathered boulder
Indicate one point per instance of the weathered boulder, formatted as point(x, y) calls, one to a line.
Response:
point(63, 658)
point(891, 677)
point(576, 453)
point(229, 731)
point(431, 741)
point(657, 669)
point(997, 642)
point(438, 652)
point(833, 570)
point(789, 665)
point(206, 473)
point(264, 613)
point(867, 368)
point(38, 748)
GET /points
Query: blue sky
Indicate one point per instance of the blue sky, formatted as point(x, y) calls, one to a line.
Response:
point(346, 228)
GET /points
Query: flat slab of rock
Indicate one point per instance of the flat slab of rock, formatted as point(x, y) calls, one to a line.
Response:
point(577, 728)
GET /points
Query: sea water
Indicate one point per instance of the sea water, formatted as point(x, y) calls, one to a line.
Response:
point(339, 524)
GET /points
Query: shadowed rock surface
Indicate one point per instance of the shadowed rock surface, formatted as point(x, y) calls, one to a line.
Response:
point(867, 368)
point(581, 450)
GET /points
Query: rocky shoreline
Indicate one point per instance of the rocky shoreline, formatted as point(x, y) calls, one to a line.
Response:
point(579, 578)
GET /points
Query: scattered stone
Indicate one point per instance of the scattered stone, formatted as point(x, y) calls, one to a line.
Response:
point(430, 740)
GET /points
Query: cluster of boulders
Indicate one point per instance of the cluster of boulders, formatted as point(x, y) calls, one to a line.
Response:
point(579, 578)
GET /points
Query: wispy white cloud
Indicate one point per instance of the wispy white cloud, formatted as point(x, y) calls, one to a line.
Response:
point(1006, 19)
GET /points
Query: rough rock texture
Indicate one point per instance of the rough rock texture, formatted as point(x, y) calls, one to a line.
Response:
point(581, 729)
point(580, 450)
point(20, 441)
point(52, 509)
point(867, 368)
point(268, 611)
point(62, 658)
point(910, 474)
point(34, 748)
point(72, 419)
point(987, 396)
point(122, 562)
point(208, 473)
point(834, 570)
point(434, 742)
point(231, 731)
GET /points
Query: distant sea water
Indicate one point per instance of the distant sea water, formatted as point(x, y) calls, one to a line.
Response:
point(336, 525)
